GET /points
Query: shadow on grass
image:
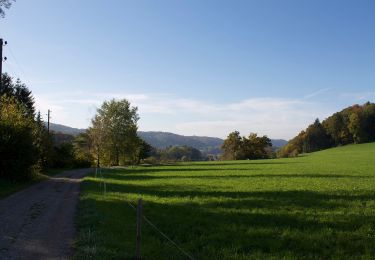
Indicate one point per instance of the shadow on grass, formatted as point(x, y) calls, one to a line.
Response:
point(219, 224)
point(242, 162)
point(192, 165)
point(145, 177)
point(298, 223)
point(248, 199)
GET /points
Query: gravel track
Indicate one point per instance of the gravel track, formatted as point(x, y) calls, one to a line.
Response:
point(38, 222)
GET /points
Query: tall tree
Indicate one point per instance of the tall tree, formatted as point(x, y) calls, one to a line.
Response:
point(114, 132)
point(236, 147)
point(18, 153)
point(232, 147)
point(316, 138)
point(96, 136)
point(43, 142)
point(145, 150)
point(255, 147)
point(19, 91)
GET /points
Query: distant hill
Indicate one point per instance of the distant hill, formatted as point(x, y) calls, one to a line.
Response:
point(203, 143)
point(65, 129)
point(162, 140)
point(278, 143)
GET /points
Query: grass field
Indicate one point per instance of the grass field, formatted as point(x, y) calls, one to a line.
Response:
point(320, 205)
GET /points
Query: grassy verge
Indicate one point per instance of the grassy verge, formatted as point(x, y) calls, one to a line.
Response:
point(9, 187)
point(318, 206)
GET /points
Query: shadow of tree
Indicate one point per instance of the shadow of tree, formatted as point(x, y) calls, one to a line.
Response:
point(257, 222)
point(222, 224)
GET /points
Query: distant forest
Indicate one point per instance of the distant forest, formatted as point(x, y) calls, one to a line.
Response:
point(353, 125)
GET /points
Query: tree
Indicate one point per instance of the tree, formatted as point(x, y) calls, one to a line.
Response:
point(82, 150)
point(18, 153)
point(145, 150)
point(236, 147)
point(355, 126)
point(96, 136)
point(369, 122)
point(19, 91)
point(43, 142)
point(294, 147)
point(337, 130)
point(232, 147)
point(255, 147)
point(316, 138)
point(114, 132)
point(5, 4)
point(20, 146)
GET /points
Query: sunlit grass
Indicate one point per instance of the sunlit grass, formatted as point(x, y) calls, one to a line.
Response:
point(320, 205)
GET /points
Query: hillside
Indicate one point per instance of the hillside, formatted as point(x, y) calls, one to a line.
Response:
point(165, 139)
point(352, 125)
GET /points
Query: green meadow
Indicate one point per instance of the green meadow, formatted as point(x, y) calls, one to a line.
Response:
point(316, 206)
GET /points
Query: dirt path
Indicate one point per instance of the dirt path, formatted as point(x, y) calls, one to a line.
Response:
point(38, 222)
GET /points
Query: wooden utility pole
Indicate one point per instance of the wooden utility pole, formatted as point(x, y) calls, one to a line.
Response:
point(1, 59)
point(48, 118)
point(139, 229)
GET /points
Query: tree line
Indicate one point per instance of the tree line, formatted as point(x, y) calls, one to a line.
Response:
point(353, 125)
point(26, 147)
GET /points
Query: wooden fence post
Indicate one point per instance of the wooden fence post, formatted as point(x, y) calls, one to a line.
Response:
point(139, 223)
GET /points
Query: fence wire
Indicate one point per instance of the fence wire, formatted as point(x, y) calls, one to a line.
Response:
point(99, 174)
point(163, 234)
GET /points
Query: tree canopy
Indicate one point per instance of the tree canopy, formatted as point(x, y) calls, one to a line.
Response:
point(18, 152)
point(114, 133)
point(355, 124)
point(236, 147)
point(19, 91)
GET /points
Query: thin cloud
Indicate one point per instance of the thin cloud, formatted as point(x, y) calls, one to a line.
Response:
point(317, 93)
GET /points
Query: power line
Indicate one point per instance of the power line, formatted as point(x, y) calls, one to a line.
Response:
point(17, 66)
point(20, 68)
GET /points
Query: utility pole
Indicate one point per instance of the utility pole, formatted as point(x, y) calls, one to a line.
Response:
point(1, 58)
point(48, 118)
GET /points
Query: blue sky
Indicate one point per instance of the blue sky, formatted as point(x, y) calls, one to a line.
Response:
point(195, 67)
